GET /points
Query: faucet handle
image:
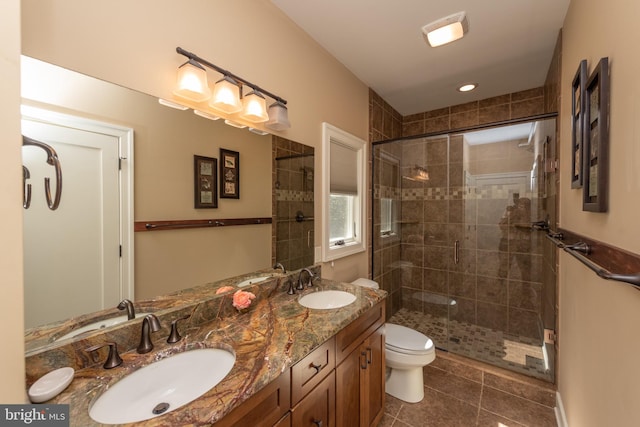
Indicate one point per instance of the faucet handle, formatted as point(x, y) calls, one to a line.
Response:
point(113, 359)
point(174, 336)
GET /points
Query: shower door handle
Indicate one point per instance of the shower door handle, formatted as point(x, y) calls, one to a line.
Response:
point(456, 252)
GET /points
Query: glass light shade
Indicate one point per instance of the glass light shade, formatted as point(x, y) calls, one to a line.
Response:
point(446, 34)
point(278, 117)
point(226, 96)
point(254, 107)
point(192, 82)
point(446, 30)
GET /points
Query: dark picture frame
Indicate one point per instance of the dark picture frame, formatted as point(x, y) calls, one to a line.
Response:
point(596, 140)
point(229, 174)
point(205, 182)
point(577, 124)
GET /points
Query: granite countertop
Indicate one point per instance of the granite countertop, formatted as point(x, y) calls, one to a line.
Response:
point(267, 338)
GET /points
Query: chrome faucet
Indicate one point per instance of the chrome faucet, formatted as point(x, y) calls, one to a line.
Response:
point(131, 311)
point(279, 265)
point(309, 283)
point(150, 323)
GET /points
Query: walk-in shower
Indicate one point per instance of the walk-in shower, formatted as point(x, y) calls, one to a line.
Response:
point(453, 241)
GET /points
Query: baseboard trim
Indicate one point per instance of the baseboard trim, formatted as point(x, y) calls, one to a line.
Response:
point(561, 416)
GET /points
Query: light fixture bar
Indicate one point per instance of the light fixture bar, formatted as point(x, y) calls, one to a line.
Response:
point(224, 72)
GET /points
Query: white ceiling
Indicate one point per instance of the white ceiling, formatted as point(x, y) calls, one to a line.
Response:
point(508, 47)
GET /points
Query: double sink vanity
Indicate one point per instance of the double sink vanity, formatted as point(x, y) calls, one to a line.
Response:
point(294, 357)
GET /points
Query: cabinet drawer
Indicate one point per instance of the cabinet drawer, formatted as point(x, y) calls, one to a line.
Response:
point(264, 408)
point(308, 372)
point(350, 337)
point(318, 408)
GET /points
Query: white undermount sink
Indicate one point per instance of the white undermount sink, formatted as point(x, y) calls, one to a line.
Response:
point(327, 300)
point(163, 386)
point(101, 324)
point(253, 281)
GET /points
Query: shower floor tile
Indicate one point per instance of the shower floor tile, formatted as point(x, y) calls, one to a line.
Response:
point(516, 353)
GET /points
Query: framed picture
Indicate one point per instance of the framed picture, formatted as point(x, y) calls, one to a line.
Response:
point(596, 140)
point(205, 182)
point(229, 174)
point(577, 123)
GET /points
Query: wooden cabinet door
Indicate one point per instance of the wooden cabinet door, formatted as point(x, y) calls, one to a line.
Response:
point(349, 390)
point(318, 408)
point(264, 408)
point(360, 384)
point(374, 397)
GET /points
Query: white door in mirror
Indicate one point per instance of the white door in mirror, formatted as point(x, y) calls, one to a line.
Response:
point(50, 385)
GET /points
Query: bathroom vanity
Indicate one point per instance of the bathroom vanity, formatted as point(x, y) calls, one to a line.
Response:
point(294, 366)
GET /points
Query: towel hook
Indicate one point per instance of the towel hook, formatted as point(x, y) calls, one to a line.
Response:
point(52, 159)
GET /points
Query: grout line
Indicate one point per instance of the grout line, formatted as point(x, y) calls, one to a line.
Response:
point(520, 397)
point(481, 395)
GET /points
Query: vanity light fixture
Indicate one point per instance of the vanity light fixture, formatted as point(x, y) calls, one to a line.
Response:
point(419, 173)
point(258, 131)
point(467, 87)
point(234, 124)
point(227, 94)
point(446, 30)
point(206, 115)
point(172, 104)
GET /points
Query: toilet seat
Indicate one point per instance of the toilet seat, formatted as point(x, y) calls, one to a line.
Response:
point(407, 341)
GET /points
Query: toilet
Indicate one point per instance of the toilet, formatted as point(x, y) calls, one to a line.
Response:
point(407, 351)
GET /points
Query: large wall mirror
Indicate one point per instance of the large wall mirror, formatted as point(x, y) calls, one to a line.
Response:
point(165, 141)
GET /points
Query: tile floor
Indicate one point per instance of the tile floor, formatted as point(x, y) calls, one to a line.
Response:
point(516, 353)
point(466, 393)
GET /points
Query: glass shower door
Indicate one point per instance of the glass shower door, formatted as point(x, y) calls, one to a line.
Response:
point(454, 247)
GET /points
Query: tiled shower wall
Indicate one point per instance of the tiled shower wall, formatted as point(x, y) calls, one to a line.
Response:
point(384, 124)
point(292, 198)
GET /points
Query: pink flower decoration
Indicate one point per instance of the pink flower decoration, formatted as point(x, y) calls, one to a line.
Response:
point(224, 289)
point(242, 299)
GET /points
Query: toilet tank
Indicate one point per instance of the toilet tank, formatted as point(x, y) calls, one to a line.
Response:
point(367, 283)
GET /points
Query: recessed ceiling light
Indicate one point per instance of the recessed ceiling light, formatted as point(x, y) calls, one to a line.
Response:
point(467, 87)
point(445, 30)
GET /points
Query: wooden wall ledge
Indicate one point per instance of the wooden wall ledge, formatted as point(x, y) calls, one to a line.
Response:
point(608, 262)
point(196, 223)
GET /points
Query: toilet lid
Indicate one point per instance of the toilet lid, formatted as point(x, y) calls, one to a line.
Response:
point(406, 340)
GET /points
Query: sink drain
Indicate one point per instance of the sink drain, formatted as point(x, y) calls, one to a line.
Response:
point(160, 408)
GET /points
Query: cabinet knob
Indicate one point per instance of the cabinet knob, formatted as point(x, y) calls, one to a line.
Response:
point(363, 360)
point(369, 355)
point(317, 367)
point(317, 422)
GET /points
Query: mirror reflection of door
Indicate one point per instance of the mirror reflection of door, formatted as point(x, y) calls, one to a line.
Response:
point(72, 254)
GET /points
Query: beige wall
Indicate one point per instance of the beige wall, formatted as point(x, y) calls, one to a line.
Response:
point(11, 295)
point(133, 44)
point(599, 379)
